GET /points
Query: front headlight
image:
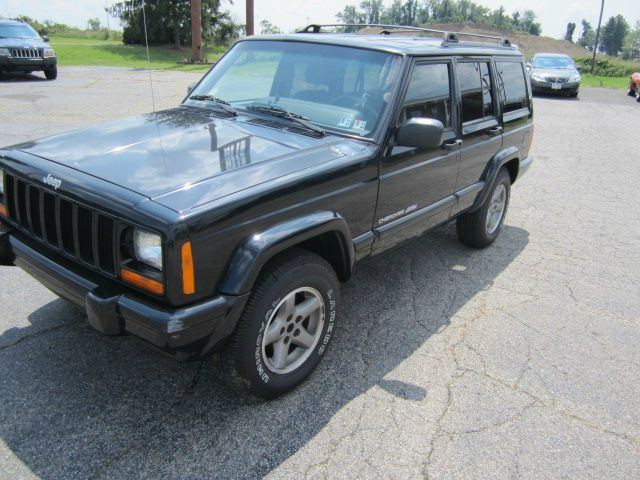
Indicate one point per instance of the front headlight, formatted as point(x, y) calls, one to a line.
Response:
point(575, 78)
point(147, 248)
point(48, 53)
point(4, 52)
point(538, 78)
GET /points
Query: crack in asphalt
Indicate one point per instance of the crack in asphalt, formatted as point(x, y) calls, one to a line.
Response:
point(41, 333)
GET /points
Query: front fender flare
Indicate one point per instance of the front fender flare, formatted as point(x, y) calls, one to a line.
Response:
point(260, 247)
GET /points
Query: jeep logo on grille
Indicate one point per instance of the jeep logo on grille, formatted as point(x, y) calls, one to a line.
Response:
point(52, 181)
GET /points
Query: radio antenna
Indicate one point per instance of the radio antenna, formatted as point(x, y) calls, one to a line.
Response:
point(146, 41)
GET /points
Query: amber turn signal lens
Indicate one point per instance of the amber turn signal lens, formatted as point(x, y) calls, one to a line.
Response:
point(188, 278)
point(141, 281)
point(3, 211)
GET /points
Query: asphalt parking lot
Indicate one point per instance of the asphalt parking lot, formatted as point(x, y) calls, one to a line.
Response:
point(519, 361)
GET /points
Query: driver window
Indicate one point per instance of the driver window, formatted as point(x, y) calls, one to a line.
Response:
point(429, 93)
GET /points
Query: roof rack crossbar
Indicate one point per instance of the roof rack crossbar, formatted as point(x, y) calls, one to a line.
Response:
point(447, 37)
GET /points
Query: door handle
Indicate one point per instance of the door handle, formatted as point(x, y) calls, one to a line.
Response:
point(451, 145)
point(494, 132)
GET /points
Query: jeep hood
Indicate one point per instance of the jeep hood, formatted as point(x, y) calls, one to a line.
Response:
point(187, 156)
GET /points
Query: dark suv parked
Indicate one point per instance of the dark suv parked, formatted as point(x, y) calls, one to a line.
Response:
point(227, 224)
point(23, 50)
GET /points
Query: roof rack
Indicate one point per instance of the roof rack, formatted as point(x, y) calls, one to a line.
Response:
point(447, 37)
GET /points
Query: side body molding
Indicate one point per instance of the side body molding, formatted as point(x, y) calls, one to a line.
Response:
point(260, 247)
point(491, 171)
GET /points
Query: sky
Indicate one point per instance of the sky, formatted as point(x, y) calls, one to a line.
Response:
point(289, 14)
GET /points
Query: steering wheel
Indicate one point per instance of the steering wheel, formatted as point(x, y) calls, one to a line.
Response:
point(355, 103)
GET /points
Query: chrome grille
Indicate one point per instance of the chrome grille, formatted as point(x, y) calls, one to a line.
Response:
point(63, 224)
point(557, 79)
point(26, 53)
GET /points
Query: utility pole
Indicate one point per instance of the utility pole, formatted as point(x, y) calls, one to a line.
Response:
point(249, 18)
point(106, 9)
point(196, 31)
point(595, 47)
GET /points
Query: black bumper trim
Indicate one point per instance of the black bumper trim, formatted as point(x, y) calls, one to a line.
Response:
point(113, 314)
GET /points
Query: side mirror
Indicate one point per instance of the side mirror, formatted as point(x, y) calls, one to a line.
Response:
point(45, 38)
point(579, 69)
point(424, 133)
point(528, 67)
point(190, 88)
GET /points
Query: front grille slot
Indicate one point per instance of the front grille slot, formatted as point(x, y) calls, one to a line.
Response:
point(50, 227)
point(34, 211)
point(105, 244)
point(25, 53)
point(66, 226)
point(85, 235)
point(61, 223)
point(9, 195)
point(21, 200)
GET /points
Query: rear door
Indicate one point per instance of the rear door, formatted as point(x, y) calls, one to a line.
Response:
point(416, 185)
point(481, 129)
point(516, 104)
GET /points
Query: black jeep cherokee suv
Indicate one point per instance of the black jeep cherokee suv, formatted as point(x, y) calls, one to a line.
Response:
point(227, 224)
point(23, 50)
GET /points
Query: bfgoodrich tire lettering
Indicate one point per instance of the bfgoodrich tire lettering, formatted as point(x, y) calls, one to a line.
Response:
point(270, 321)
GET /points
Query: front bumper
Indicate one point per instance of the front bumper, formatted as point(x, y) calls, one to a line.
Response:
point(540, 86)
point(524, 165)
point(11, 64)
point(184, 332)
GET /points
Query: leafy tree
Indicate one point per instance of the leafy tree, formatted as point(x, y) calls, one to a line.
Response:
point(587, 37)
point(169, 21)
point(613, 35)
point(631, 48)
point(372, 10)
point(267, 28)
point(571, 27)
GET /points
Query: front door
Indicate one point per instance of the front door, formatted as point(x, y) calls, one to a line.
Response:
point(416, 185)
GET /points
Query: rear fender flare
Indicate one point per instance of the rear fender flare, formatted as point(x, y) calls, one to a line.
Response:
point(491, 172)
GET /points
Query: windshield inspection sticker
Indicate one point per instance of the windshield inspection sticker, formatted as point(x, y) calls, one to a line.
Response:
point(359, 124)
point(345, 121)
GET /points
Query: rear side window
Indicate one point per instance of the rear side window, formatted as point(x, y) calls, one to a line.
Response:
point(429, 93)
point(475, 90)
point(514, 89)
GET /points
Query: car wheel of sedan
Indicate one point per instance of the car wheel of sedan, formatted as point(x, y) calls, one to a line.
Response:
point(51, 73)
point(286, 327)
point(480, 228)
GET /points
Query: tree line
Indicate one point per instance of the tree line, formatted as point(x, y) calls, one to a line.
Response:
point(169, 22)
point(616, 37)
point(421, 12)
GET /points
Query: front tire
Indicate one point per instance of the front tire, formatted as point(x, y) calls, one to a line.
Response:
point(286, 327)
point(51, 73)
point(480, 228)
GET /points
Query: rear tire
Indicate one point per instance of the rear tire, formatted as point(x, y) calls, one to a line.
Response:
point(286, 326)
point(480, 228)
point(51, 73)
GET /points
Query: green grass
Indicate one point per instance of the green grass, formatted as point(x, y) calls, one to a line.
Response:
point(617, 83)
point(112, 53)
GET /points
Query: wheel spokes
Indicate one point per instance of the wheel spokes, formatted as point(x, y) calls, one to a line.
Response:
point(307, 307)
point(280, 353)
point(303, 338)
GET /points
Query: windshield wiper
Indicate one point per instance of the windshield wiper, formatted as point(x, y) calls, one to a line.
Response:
point(223, 104)
point(281, 112)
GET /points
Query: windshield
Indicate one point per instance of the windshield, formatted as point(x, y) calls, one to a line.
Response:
point(21, 31)
point(337, 88)
point(553, 62)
